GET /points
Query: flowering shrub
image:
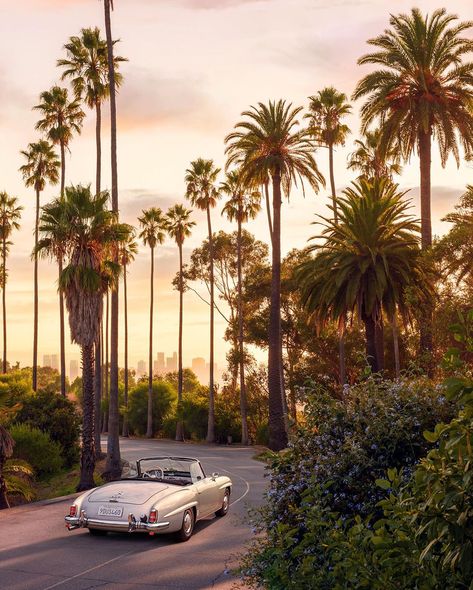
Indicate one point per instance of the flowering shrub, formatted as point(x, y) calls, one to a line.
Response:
point(328, 477)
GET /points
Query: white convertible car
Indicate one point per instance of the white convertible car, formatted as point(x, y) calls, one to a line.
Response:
point(154, 495)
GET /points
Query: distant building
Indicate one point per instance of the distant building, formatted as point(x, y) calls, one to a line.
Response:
point(141, 368)
point(55, 362)
point(46, 360)
point(199, 368)
point(73, 370)
point(160, 363)
point(171, 363)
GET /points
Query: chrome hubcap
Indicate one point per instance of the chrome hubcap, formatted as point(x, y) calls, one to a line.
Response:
point(187, 523)
point(225, 502)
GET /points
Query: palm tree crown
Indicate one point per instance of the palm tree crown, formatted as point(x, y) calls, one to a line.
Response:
point(152, 222)
point(326, 110)
point(372, 160)
point(86, 66)
point(42, 165)
point(61, 117)
point(178, 224)
point(244, 203)
point(10, 214)
point(367, 260)
point(200, 179)
point(267, 141)
point(423, 85)
point(90, 272)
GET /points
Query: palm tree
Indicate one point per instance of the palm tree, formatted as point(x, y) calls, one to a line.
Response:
point(113, 466)
point(326, 111)
point(372, 160)
point(61, 119)
point(128, 249)
point(10, 214)
point(42, 166)
point(179, 226)
point(266, 143)
point(86, 66)
point(423, 91)
point(202, 192)
point(242, 205)
point(93, 229)
point(366, 262)
point(153, 226)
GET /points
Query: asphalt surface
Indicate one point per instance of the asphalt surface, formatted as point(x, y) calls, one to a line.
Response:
point(38, 553)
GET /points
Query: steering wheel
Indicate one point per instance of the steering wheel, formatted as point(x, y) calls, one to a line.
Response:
point(154, 473)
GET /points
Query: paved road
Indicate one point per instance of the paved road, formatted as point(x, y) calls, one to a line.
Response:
point(38, 553)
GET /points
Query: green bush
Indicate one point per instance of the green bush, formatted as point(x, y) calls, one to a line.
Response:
point(55, 415)
point(323, 491)
point(164, 400)
point(36, 448)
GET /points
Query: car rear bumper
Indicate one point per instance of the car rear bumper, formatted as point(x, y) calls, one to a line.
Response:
point(131, 525)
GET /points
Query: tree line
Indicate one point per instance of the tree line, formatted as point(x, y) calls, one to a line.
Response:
point(372, 260)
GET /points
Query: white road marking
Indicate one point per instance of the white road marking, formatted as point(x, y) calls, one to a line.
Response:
point(89, 570)
point(242, 479)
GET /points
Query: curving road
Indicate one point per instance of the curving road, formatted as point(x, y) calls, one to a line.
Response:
point(38, 553)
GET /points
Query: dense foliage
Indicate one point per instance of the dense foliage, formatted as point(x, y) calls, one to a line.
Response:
point(55, 415)
point(328, 477)
point(163, 399)
point(36, 448)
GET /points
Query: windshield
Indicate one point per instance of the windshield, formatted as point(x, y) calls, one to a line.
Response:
point(170, 469)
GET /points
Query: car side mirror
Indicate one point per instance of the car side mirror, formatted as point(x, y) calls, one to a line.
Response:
point(215, 474)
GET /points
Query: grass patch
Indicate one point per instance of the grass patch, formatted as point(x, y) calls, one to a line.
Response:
point(65, 482)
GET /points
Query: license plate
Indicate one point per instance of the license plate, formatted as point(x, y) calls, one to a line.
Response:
point(110, 510)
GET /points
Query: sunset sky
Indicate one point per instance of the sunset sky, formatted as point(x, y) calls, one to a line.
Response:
point(194, 65)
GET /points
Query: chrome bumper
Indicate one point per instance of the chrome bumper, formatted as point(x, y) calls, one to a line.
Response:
point(130, 525)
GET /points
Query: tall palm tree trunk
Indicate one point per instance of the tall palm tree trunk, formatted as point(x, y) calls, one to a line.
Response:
point(125, 385)
point(277, 422)
point(397, 365)
point(211, 418)
point(379, 336)
point(62, 332)
point(370, 335)
point(179, 424)
point(63, 167)
point(426, 338)
point(149, 426)
point(35, 304)
point(4, 301)
point(241, 348)
point(87, 458)
point(99, 340)
point(268, 210)
point(98, 394)
point(332, 182)
point(113, 467)
point(106, 363)
point(98, 146)
point(341, 337)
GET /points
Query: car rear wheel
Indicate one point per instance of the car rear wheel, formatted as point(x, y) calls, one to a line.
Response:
point(225, 504)
point(188, 521)
point(97, 532)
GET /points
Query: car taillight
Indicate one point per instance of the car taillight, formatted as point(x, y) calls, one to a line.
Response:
point(153, 516)
point(73, 510)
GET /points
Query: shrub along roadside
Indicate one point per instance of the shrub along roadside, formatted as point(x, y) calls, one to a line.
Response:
point(419, 537)
point(36, 448)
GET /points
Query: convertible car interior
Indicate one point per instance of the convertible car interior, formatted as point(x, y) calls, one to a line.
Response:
point(172, 470)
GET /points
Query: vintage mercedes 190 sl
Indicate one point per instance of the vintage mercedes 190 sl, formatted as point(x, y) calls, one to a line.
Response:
point(154, 495)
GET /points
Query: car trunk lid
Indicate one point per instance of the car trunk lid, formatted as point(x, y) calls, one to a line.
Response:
point(127, 492)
